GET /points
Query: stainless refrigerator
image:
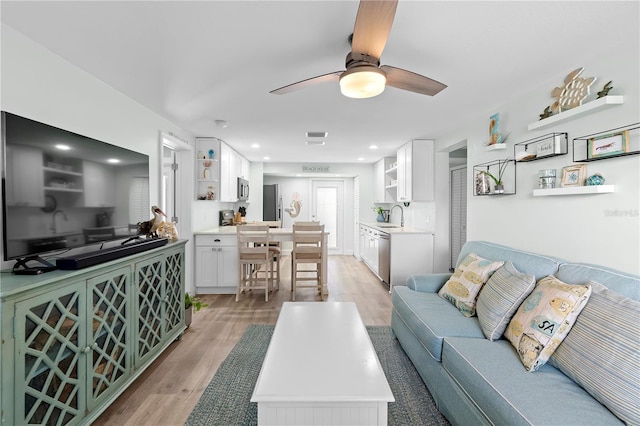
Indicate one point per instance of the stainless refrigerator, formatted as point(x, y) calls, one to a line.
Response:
point(271, 203)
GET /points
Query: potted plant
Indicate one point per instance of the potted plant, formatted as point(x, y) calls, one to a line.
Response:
point(499, 186)
point(191, 304)
point(380, 212)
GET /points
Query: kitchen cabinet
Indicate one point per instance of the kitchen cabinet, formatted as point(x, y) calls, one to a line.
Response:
point(216, 264)
point(26, 186)
point(410, 252)
point(386, 180)
point(99, 190)
point(415, 171)
point(71, 339)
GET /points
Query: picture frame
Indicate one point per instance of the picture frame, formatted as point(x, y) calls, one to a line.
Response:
point(573, 175)
point(608, 145)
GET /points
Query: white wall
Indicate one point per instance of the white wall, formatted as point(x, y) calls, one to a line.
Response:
point(576, 228)
point(42, 86)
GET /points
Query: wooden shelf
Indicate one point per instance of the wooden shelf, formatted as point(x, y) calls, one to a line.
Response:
point(575, 190)
point(604, 102)
point(495, 147)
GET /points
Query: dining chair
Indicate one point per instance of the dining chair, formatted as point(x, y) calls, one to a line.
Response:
point(307, 249)
point(253, 253)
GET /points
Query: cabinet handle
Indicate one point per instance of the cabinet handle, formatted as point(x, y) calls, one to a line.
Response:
point(217, 240)
point(89, 348)
point(219, 249)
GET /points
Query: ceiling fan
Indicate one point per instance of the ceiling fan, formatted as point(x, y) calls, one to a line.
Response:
point(364, 77)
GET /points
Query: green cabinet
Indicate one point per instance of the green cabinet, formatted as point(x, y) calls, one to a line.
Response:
point(73, 340)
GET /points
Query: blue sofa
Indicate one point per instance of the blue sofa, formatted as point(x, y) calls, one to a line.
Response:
point(477, 381)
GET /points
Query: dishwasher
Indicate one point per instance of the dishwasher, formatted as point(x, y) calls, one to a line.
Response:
point(384, 254)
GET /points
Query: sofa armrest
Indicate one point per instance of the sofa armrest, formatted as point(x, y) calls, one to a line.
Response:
point(430, 283)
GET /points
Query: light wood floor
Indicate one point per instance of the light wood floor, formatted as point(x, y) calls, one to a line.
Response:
point(167, 391)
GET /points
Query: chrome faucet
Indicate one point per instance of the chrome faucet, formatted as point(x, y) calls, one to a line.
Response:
point(401, 214)
point(53, 224)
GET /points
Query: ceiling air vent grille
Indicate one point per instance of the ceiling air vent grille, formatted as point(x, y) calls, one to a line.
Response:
point(317, 134)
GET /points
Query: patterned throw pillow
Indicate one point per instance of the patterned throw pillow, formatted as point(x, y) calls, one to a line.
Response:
point(500, 298)
point(602, 352)
point(544, 319)
point(467, 280)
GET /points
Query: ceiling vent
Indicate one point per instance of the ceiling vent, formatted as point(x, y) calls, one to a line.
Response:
point(317, 134)
point(315, 143)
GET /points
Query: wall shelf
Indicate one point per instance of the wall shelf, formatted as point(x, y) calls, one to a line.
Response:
point(484, 186)
point(495, 147)
point(575, 190)
point(604, 102)
point(542, 147)
point(585, 148)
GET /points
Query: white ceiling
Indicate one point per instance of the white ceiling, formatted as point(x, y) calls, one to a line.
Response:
point(196, 62)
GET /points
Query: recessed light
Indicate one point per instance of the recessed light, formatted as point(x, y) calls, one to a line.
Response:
point(223, 124)
point(255, 145)
point(315, 143)
point(361, 159)
point(317, 134)
point(267, 158)
point(113, 160)
point(373, 147)
point(62, 147)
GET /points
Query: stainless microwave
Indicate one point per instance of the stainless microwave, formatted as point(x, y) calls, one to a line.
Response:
point(243, 189)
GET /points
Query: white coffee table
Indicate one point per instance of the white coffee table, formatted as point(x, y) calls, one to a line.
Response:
point(321, 369)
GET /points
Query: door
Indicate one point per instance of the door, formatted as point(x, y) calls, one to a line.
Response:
point(458, 209)
point(327, 206)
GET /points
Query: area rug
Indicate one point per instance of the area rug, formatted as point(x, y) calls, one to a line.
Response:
point(226, 400)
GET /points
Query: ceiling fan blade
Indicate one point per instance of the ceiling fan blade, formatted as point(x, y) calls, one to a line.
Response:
point(373, 24)
point(333, 76)
point(407, 80)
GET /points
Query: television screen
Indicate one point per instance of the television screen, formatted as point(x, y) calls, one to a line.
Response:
point(62, 190)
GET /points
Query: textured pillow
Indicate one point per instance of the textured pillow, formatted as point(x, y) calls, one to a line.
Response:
point(467, 280)
point(544, 319)
point(602, 352)
point(500, 298)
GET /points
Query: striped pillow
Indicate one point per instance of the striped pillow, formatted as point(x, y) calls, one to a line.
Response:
point(500, 297)
point(602, 352)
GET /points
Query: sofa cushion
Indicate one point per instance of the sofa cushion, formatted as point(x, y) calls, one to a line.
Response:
point(602, 352)
point(431, 319)
point(500, 298)
point(491, 375)
point(529, 263)
point(464, 285)
point(618, 281)
point(544, 319)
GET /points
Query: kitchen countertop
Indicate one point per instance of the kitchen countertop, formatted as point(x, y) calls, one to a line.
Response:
point(395, 229)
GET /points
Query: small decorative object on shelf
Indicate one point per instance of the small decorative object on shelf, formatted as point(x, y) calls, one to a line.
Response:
point(546, 113)
point(618, 142)
point(211, 152)
point(540, 147)
point(573, 175)
point(595, 179)
point(210, 194)
point(483, 185)
point(574, 91)
point(605, 90)
point(495, 137)
point(547, 178)
point(206, 174)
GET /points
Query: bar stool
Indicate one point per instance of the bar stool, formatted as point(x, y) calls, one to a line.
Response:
point(307, 249)
point(253, 252)
point(275, 253)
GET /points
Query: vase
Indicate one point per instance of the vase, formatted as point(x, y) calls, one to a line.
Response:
point(482, 184)
point(188, 313)
point(380, 218)
point(498, 189)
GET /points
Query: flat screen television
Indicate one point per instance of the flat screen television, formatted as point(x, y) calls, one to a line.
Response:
point(62, 191)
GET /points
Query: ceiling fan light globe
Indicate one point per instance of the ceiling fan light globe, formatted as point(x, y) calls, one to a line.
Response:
point(362, 83)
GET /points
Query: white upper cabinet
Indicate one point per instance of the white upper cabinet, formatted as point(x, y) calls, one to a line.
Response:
point(99, 188)
point(415, 171)
point(385, 180)
point(26, 185)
